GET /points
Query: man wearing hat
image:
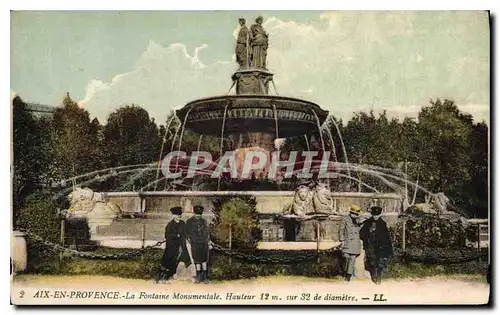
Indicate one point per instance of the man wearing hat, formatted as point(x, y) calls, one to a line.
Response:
point(198, 235)
point(377, 244)
point(175, 245)
point(350, 241)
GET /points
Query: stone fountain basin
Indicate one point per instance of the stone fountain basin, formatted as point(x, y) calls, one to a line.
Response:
point(147, 213)
point(252, 113)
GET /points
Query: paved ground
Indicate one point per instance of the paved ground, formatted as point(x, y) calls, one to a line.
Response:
point(274, 290)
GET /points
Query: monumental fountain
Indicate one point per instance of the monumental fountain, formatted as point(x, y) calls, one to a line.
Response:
point(256, 118)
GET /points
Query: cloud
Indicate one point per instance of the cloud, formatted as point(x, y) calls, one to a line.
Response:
point(164, 78)
point(346, 62)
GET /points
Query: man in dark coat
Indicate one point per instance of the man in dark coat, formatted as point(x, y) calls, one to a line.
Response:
point(377, 244)
point(198, 234)
point(175, 246)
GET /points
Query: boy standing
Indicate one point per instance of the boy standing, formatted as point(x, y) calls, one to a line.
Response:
point(197, 233)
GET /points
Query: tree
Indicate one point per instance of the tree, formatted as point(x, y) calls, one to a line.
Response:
point(74, 143)
point(444, 146)
point(29, 154)
point(373, 141)
point(477, 188)
point(131, 137)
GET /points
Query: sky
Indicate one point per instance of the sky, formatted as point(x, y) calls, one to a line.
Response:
point(345, 61)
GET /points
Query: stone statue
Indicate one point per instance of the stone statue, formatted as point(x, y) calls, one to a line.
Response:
point(322, 199)
point(434, 204)
point(259, 41)
point(86, 204)
point(302, 201)
point(243, 45)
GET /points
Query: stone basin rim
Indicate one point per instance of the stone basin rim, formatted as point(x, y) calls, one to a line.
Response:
point(260, 193)
point(251, 96)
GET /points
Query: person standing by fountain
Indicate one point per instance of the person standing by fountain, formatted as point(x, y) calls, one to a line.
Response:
point(199, 237)
point(260, 43)
point(175, 245)
point(350, 241)
point(377, 244)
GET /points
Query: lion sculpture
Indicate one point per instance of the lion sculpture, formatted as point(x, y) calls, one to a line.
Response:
point(434, 204)
point(89, 205)
point(307, 200)
point(302, 202)
point(322, 200)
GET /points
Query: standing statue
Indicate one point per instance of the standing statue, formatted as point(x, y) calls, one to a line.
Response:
point(243, 45)
point(260, 41)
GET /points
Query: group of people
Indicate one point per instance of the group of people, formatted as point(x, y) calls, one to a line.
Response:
point(370, 230)
point(187, 242)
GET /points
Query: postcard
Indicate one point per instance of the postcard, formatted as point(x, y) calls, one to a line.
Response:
point(250, 158)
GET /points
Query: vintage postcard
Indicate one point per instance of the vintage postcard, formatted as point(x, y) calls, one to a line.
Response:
point(250, 157)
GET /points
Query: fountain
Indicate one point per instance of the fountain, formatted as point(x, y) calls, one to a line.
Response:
point(256, 118)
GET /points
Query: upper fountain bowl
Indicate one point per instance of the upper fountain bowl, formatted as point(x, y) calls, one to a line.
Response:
point(252, 113)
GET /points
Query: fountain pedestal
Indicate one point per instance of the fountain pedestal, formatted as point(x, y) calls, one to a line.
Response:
point(252, 81)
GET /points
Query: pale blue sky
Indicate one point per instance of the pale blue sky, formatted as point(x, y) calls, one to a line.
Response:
point(55, 52)
point(344, 61)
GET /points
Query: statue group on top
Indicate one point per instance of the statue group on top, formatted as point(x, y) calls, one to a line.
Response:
point(251, 45)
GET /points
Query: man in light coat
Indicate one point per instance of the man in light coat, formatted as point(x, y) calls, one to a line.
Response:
point(350, 240)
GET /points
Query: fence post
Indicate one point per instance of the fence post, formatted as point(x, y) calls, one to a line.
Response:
point(230, 243)
point(143, 225)
point(62, 237)
point(479, 240)
point(479, 237)
point(317, 239)
point(403, 245)
point(143, 236)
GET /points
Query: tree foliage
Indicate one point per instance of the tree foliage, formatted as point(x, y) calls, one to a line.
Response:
point(240, 216)
point(131, 137)
point(74, 143)
point(30, 161)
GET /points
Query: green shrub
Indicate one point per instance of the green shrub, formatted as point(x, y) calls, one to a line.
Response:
point(38, 214)
point(241, 215)
point(430, 232)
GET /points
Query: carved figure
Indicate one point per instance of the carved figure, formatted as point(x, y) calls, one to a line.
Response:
point(322, 199)
point(243, 45)
point(86, 204)
point(436, 204)
point(302, 201)
point(259, 42)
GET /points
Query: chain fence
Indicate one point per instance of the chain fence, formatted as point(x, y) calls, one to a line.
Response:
point(434, 256)
point(89, 255)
